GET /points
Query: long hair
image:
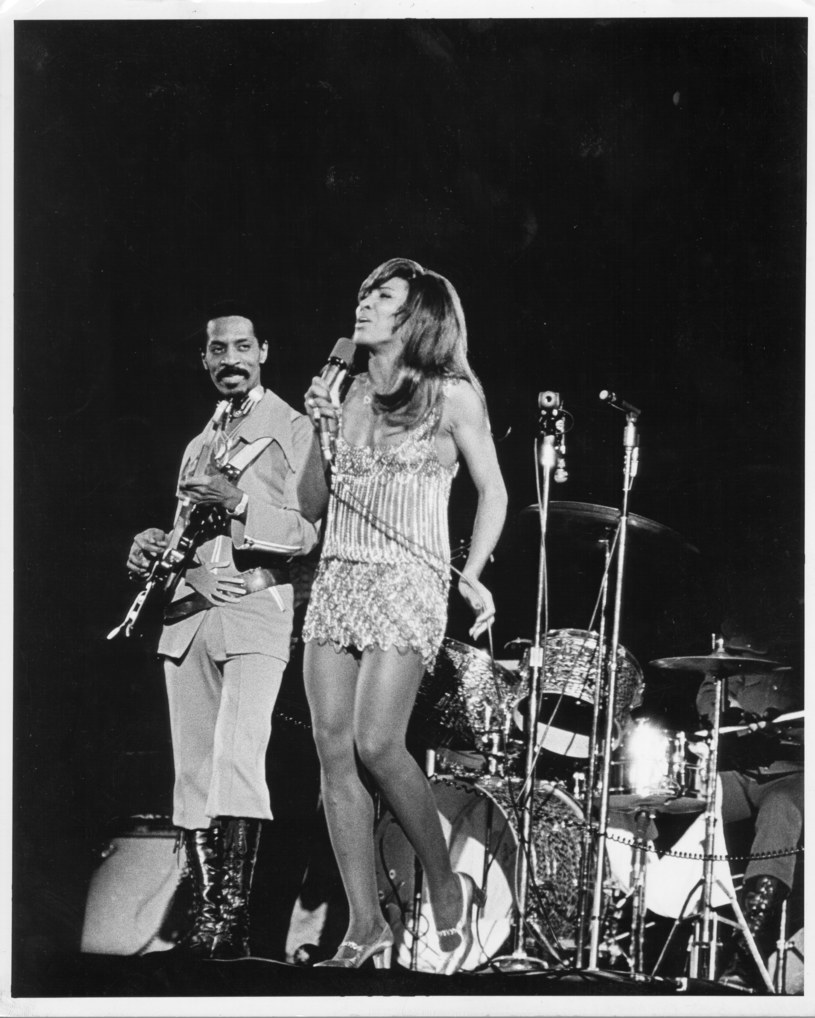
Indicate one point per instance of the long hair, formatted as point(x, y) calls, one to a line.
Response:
point(431, 322)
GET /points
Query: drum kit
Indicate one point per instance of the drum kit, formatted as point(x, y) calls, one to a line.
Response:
point(546, 795)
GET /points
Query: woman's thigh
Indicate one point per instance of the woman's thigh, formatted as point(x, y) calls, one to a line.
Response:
point(385, 695)
point(330, 677)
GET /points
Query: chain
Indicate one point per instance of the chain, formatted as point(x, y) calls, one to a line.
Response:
point(727, 857)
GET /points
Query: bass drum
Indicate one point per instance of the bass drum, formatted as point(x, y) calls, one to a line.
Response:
point(480, 827)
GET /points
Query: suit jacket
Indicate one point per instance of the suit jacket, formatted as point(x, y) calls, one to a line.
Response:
point(767, 752)
point(288, 494)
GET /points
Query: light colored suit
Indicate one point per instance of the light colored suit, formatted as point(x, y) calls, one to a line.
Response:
point(223, 666)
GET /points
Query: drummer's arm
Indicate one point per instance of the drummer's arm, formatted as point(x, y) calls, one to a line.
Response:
point(706, 697)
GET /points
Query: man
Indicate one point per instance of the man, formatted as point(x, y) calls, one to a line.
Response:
point(761, 771)
point(226, 635)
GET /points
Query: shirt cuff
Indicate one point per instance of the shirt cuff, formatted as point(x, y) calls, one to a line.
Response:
point(240, 508)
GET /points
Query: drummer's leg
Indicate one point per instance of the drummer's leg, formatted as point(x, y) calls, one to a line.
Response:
point(735, 797)
point(388, 683)
point(779, 825)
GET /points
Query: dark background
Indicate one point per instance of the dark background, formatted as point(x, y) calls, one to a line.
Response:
point(620, 204)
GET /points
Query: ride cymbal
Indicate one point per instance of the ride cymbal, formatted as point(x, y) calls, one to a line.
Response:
point(597, 523)
point(718, 662)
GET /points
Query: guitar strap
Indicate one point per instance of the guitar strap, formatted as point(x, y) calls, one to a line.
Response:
point(237, 463)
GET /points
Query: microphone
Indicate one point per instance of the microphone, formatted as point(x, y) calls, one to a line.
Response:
point(619, 403)
point(549, 400)
point(333, 374)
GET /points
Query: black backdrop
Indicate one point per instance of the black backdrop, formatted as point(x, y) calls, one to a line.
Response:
point(621, 205)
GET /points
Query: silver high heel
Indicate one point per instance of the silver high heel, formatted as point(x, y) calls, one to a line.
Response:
point(355, 955)
point(471, 897)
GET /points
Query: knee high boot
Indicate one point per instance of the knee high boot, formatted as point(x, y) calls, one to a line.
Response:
point(204, 850)
point(241, 838)
point(761, 902)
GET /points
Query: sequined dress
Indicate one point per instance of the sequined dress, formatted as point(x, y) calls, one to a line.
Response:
point(384, 572)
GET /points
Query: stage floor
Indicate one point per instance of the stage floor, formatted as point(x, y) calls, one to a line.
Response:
point(165, 974)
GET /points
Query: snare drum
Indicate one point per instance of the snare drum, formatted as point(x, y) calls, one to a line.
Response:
point(481, 830)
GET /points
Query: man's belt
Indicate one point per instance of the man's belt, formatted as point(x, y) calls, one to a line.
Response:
point(255, 579)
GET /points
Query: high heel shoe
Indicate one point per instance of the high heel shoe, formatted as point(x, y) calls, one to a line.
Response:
point(351, 955)
point(471, 897)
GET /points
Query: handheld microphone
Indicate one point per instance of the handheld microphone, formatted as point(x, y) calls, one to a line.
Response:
point(618, 403)
point(333, 374)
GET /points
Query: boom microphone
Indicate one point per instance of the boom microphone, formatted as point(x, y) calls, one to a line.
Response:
point(618, 403)
point(333, 374)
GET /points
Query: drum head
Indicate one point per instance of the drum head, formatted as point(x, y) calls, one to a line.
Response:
point(481, 842)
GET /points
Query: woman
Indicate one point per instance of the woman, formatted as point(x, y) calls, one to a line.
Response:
point(378, 609)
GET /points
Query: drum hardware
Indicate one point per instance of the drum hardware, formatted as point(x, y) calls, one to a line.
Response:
point(495, 741)
point(782, 945)
point(551, 457)
point(718, 665)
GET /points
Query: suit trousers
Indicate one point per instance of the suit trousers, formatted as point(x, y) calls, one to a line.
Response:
point(776, 805)
point(221, 721)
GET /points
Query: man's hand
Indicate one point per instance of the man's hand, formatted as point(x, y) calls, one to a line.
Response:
point(211, 489)
point(217, 589)
point(147, 546)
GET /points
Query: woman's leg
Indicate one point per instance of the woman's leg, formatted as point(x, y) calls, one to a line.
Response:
point(386, 691)
point(331, 679)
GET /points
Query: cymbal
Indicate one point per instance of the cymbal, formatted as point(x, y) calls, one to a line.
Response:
point(718, 662)
point(598, 523)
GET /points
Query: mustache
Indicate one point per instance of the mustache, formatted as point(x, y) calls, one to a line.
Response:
point(232, 371)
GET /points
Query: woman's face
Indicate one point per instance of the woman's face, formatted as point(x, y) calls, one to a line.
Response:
point(376, 318)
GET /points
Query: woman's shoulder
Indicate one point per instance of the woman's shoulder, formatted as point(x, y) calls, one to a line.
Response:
point(462, 399)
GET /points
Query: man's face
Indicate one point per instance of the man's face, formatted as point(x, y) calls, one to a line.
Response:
point(233, 355)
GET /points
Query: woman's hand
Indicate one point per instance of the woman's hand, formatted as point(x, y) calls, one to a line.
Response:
point(480, 600)
point(319, 404)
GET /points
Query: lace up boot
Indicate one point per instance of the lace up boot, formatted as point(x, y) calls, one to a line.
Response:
point(203, 849)
point(241, 838)
point(761, 902)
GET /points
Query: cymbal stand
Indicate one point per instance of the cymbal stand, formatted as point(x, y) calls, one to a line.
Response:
point(705, 920)
point(631, 450)
point(552, 427)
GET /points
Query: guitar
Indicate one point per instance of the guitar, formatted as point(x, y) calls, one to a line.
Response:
point(191, 524)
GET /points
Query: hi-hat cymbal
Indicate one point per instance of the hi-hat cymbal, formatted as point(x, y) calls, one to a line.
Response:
point(597, 523)
point(718, 662)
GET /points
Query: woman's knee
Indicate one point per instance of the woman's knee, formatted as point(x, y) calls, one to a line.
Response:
point(334, 743)
point(380, 752)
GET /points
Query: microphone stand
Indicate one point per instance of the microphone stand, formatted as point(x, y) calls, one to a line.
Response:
point(552, 426)
point(631, 447)
point(591, 773)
